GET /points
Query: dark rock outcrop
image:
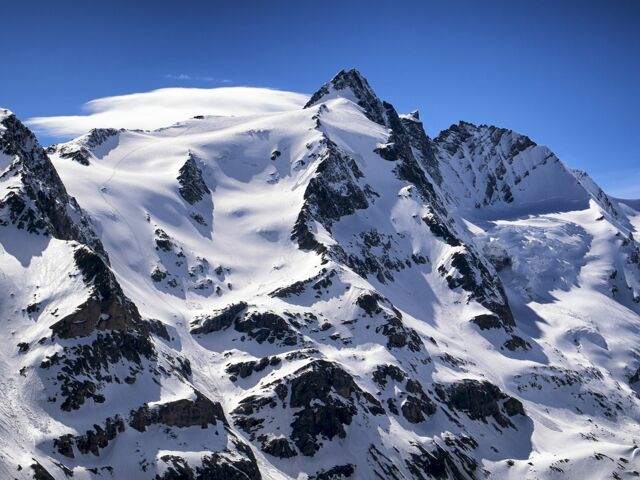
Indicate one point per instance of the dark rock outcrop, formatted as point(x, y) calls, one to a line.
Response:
point(93, 440)
point(480, 400)
point(266, 327)
point(200, 412)
point(335, 473)
point(332, 193)
point(41, 204)
point(323, 397)
point(237, 464)
point(192, 185)
point(80, 150)
point(279, 447)
point(352, 80)
point(219, 320)
point(246, 369)
point(440, 464)
point(107, 307)
point(322, 413)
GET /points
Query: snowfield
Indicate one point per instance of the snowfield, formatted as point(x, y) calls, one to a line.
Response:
point(314, 291)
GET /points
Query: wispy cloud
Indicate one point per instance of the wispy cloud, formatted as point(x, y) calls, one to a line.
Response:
point(166, 106)
point(197, 78)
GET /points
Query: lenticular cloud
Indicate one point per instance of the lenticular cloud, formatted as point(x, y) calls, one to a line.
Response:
point(166, 106)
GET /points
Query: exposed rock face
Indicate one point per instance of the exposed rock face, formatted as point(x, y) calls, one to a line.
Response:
point(192, 185)
point(392, 327)
point(324, 399)
point(81, 149)
point(93, 440)
point(481, 400)
point(219, 320)
point(279, 447)
point(238, 463)
point(418, 165)
point(246, 369)
point(336, 473)
point(259, 326)
point(107, 308)
point(415, 404)
point(83, 370)
point(440, 464)
point(464, 269)
point(422, 143)
point(331, 194)
point(499, 166)
point(351, 80)
point(323, 414)
point(266, 326)
point(180, 413)
point(37, 200)
point(318, 282)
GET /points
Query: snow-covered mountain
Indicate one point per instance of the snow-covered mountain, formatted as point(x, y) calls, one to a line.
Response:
point(321, 292)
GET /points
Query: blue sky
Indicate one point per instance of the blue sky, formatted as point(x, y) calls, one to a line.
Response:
point(566, 73)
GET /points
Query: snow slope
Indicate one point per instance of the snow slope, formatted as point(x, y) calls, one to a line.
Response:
point(360, 300)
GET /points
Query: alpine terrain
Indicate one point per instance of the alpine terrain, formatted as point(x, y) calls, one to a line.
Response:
point(322, 292)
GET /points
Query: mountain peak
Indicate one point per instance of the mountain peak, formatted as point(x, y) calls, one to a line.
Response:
point(350, 84)
point(4, 113)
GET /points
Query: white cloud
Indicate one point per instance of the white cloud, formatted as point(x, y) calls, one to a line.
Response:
point(197, 78)
point(166, 106)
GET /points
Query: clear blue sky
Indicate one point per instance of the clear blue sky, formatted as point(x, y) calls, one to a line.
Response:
point(566, 73)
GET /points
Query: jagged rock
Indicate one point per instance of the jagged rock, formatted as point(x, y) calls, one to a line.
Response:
point(266, 326)
point(422, 144)
point(107, 308)
point(480, 400)
point(80, 149)
point(381, 373)
point(322, 280)
point(41, 204)
point(439, 464)
point(322, 413)
point(279, 447)
point(82, 369)
point(245, 369)
point(439, 229)
point(324, 398)
point(332, 193)
point(40, 473)
point(398, 335)
point(516, 342)
point(93, 440)
point(192, 185)
point(158, 275)
point(472, 275)
point(237, 464)
point(335, 473)
point(163, 241)
point(200, 412)
point(413, 409)
point(487, 322)
point(260, 326)
point(219, 320)
point(354, 81)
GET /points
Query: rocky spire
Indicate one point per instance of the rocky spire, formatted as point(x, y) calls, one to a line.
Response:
point(38, 200)
point(192, 185)
point(352, 85)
